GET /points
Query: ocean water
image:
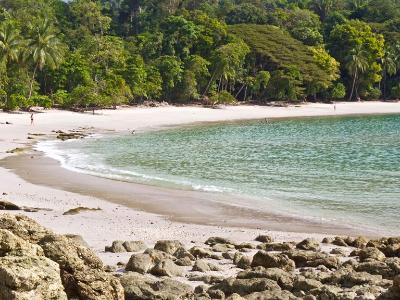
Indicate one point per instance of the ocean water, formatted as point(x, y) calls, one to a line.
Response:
point(336, 169)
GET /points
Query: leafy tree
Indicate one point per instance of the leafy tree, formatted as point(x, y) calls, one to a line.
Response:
point(305, 26)
point(357, 64)
point(43, 49)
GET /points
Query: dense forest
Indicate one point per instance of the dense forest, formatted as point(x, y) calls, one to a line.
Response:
point(83, 54)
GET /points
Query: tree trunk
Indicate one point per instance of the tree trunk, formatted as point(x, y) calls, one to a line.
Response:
point(353, 85)
point(208, 84)
point(33, 79)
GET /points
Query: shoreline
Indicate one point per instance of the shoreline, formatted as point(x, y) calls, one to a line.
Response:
point(100, 228)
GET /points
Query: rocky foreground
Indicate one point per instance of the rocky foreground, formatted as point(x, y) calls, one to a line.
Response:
point(37, 264)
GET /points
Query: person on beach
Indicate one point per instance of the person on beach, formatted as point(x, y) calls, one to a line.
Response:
point(31, 119)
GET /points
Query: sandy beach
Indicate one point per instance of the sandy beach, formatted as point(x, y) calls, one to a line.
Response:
point(133, 211)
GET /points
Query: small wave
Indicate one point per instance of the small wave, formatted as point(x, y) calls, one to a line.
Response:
point(79, 162)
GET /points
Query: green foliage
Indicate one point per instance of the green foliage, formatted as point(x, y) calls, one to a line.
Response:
point(395, 92)
point(223, 97)
point(338, 91)
point(96, 53)
point(16, 101)
point(43, 101)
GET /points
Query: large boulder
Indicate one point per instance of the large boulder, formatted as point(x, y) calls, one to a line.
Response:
point(116, 247)
point(139, 287)
point(308, 244)
point(168, 246)
point(24, 227)
point(30, 277)
point(12, 245)
point(371, 253)
point(82, 271)
point(269, 260)
point(245, 286)
point(166, 268)
point(140, 263)
point(134, 246)
point(264, 238)
point(218, 240)
point(283, 278)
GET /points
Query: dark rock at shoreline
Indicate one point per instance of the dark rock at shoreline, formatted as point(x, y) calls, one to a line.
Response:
point(5, 205)
point(78, 210)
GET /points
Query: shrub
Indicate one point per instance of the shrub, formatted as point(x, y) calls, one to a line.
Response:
point(43, 101)
point(395, 91)
point(223, 97)
point(60, 98)
point(338, 91)
point(16, 101)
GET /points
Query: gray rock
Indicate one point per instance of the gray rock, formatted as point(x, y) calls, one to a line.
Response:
point(269, 260)
point(218, 240)
point(245, 286)
point(139, 287)
point(229, 255)
point(283, 278)
point(263, 238)
point(134, 246)
point(305, 284)
point(140, 263)
point(308, 244)
point(244, 262)
point(371, 253)
point(30, 277)
point(166, 268)
point(271, 295)
point(168, 246)
point(116, 247)
point(183, 253)
point(157, 255)
point(185, 262)
point(222, 247)
point(204, 266)
point(276, 246)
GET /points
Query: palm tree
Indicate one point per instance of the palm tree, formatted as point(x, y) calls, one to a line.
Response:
point(9, 44)
point(322, 7)
point(44, 49)
point(357, 63)
point(390, 66)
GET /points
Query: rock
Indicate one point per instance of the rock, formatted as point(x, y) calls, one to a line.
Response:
point(30, 277)
point(371, 253)
point(5, 205)
point(116, 247)
point(339, 241)
point(245, 286)
point(338, 251)
point(166, 268)
point(134, 246)
point(77, 239)
point(198, 252)
point(276, 247)
point(327, 240)
point(209, 279)
point(24, 227)
point(168, 246)
point(263, 238)
point(308, 244)
point(236, 257)
point(204, 266)
point(229, 255)
point(12, 245)
point(272, 295)
point(245, 246)
point(304, 258)
point(185, 262)
point(140, 263)
point(183, 253)
point(218, 240)
point(235, 297)
point(306, 284)
point(348, 279)
point(82, 271)
point(222, 247)
point(157, 255)
point(216, 294)
point(78, 210)
point(268, 260)
point(244, 262)
point(139, 287)
point(284, 279)
point(360, 242)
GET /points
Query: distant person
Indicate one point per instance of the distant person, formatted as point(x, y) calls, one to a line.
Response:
point(334, 106)
point(31, 119)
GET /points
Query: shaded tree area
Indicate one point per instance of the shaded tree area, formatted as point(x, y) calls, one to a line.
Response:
point(87, 54)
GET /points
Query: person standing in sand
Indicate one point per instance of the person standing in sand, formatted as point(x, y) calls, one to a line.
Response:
point(31, 119)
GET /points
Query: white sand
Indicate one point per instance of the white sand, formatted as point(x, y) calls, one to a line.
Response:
point(114, 222)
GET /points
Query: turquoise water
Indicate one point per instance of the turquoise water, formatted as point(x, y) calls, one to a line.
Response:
point(341, 169)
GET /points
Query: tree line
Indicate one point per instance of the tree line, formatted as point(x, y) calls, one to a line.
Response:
point(86, 54)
